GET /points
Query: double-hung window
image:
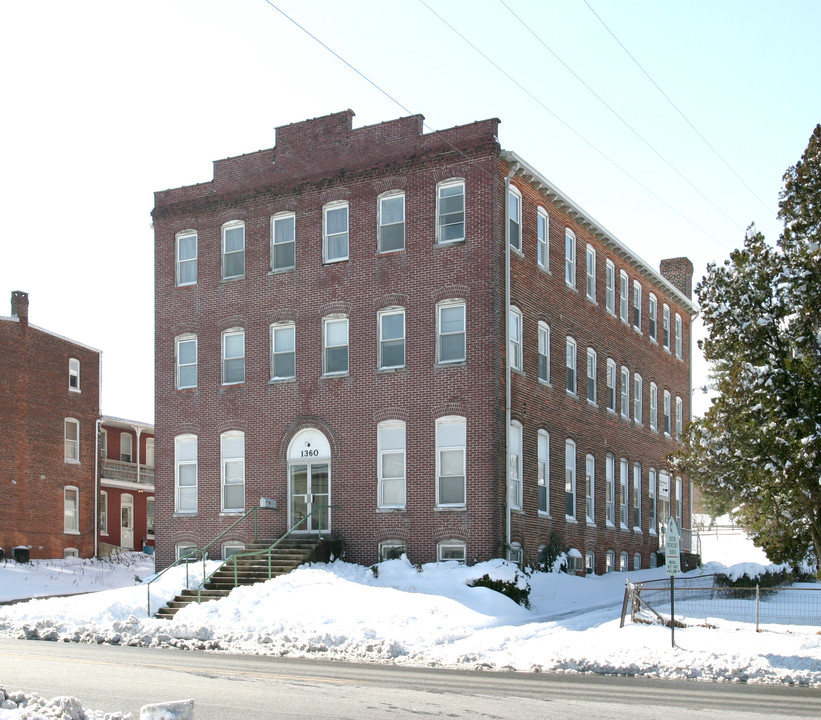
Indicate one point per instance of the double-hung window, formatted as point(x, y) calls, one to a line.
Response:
point(391, 222)
point(610, 489)
point(570, 363)
point(679, 416)
point(391, 448)
point(283, 351)
point(233, 356)
point(392, 338)
point(450, 335)
point(610, 287)
point(590, 489)
point(653, 317)
point(570, 479)
point(126, 447)
point(651, 497)
point(543, 239)
point(185, 355)
point(637, 305)
point(637, 497)
point(515, 339)
point(654, 406)
point(667, 412)
point(543, 472)
point(335, 345)
point(679, 330)
point(679, 501)
point(515, 218)
point(450, 211)
point(232, 452)
point(71, 510)
point(71, 451)
point(544, 352)
point(185, 473)
point(611, 385)
point(592, 365)
point(625, 392)
point(665, 327)
point(186, 252)
point(624, 480)
point(590, 266)
point(624, 296)
point(570, 257)
point(515, 460)
point(233, 250)
point(451, 439)
point(74, 375)
point(283, 241)
point(638, 398)
point(335, 232)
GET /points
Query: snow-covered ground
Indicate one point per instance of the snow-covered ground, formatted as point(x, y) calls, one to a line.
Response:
point(408, 615)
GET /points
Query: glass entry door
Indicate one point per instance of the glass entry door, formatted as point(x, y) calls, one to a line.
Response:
point(310, 496)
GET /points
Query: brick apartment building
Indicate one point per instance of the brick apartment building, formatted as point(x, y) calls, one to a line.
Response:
point(421, 331)
point(49, 405)
point(126, 485)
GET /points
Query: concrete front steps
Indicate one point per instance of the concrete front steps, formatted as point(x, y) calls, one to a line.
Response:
point(287, 556)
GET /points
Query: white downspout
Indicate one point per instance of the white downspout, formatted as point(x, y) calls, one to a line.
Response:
point(96, 522)
point(507, 363)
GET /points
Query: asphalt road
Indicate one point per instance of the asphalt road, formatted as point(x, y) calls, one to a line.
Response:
point(229, 687)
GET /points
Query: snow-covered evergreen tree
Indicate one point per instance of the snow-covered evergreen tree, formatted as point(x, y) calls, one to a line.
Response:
point(757, 450)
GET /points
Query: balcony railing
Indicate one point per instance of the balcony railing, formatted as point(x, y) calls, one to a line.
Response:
point(118, 470)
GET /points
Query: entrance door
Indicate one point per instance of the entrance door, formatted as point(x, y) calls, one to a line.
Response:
point(127, 522)
point(310, 496)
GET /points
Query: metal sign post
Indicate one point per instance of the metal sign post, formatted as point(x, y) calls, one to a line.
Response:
point(672, 557)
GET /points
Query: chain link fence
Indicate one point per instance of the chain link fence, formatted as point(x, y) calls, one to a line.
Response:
point(699, 601)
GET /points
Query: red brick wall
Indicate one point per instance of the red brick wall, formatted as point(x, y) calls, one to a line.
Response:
point(35, 399)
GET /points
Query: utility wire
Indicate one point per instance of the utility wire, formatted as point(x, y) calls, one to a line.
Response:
point(572, 129)
point(676, 108)
point(619, 117)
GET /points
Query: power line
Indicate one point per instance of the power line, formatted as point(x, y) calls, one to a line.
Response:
point(619, 117)
point(676, 108)
point(572, 129)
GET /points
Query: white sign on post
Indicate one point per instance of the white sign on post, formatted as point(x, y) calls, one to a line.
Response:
point(672, 550)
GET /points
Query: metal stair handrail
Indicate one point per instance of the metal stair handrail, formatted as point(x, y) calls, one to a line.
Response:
point(191, 556)
point(268, 550)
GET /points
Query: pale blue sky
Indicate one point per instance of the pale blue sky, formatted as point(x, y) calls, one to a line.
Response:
point(105, 102)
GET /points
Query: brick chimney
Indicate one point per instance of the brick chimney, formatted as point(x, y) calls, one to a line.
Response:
point(679, 272)
point(20, 306)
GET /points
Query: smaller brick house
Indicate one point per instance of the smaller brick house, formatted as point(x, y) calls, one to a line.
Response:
point(126, 485)
point(49, 406)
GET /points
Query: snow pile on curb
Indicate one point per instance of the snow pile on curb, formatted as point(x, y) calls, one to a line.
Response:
point(34, 707)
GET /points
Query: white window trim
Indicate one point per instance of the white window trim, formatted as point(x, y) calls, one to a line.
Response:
point(570, 258)
point(624, 493)
point(444, 185)
point(126, 447)
point(380, 452)
point(185, 234)
point(388, 549)
point(624, 387)
point(636, 504)
point(275, 220)
point(624, 297)
point(570, 478)
point(542, 239)
point(178, 365)
point(103, 513)
point(638, 399)
point(668, 414)
point(517, 221)
point(679, 331)
point(610, 489)
point(74, 372)
point(653, 315)
point(445, 304)
point(571, 366)
point(445, 546)
point(330, 207)
point(224, 460)
point(380, 225)
point(68, 443)
point(234, 224)
point(610, 287)
point(652, 501)
point(231, 545)
point(454, 419)
point(186, 438)
point(665, 327)
point(654, 407)
point(637, 306)
point(515, 348)
point(326, 322)
point(516, 464)
point(543, 478)
point(590, 273)
point(612, 385)
point(274, 352)
point(590, 489)
point(543, 340)
point(381, 315)
point(67, 530)
point(592, 377)
point(679, 416)
point(225, 334)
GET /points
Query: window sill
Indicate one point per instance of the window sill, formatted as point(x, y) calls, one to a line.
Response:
point(570, 519)
point(231, 513)
point(638, 330)
point(391, 370)
point(233, 384)
point(184, 389)
point(335, 261)
point(71, 532)
point(544, 514)
point(282, 271)
point(282, 381)
point(592, 301)
point(449, 243)
point(593, 404)
point(389, 510)
point(611, 411)
point(336, 375)
point(192, 514)
point(652, 532)
point(590, 523)
point(517, 251)
point(571, 287)
point(623, 527)
point(610, 525)
point(637, 530)
point(232, 278)
point(388, 253)
point(69, 461)
point(450, 508)
point(544, 269)
point(188, 284)
point(78, 391)
point(451, 363)
point(572, 394)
